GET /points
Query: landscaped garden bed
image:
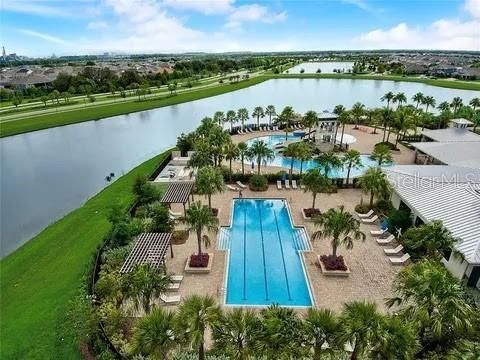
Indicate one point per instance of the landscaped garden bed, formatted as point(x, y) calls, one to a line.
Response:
point(199, 264)
point(310, 213)
point(333, 266)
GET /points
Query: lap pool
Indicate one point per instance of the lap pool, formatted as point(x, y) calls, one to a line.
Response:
point(265, 265)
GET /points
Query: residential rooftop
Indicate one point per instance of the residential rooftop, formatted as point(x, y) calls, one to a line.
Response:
point(466, 154)
point(451, 134)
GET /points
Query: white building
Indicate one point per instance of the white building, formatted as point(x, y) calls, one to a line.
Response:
point(326, 130)
point(450, 194)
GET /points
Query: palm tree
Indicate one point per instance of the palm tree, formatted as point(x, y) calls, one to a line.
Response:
point(343, 119)
point(382, 154)
point(329, 161)
point(476, 121)
point(374, 182)
point(292, 152)
point(339, 226)
point(394, 339)
point(195, 315)
point(309, 120)
point(231, 118)
point(242, 116)
point(387, 115)
point(435, 300)
point(465, 350)
point(429, 101)
point(444, 107)
point(456, 104)
point(154, 335)
point(235, 334)
point(339, 110)
point(219, 117)
point(258, 113)
point(315, 183)
point(360, 321)
point(209, 181)
point(418, 99)
point(351, 160)
point(270, 111)
point(231, 152)
point(144, 283)
point(260, 151)
point(403, 123)
point(358, 110)
point(388, 97)
point(304, 154)
point(399, 99)
point(242, 153)
point(198, 218)
point(321, 327)
point(475, 103)
point(285, 118)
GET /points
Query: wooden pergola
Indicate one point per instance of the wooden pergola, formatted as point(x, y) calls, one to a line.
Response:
point(148, 248)
point(178, 192)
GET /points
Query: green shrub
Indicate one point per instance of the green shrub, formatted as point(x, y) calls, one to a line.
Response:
point(390, 145)
point(399, 219)
point(383, 206)
point(258, 183)
point(362, 208)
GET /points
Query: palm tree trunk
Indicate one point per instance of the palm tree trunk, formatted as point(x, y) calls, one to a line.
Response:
point(354, 353)
point(258, 166)
point(209, 201)
point(199, 241)
point(384, 131)
point(314, 198)
point(230, 170)
point(201, 352)
point(258, 122)
point(372, 194)
point(334, 248)
point(301, 167)
point(243, 166)
point(348, 173)
point(291, 169)
point(341, 138)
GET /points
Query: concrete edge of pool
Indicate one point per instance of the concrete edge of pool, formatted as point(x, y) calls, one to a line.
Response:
point(299, 253)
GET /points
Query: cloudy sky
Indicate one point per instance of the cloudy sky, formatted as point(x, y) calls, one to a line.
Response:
point(43, 27)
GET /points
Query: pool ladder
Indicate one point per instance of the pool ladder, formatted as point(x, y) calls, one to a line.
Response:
point(224, 239)
point(301, 240)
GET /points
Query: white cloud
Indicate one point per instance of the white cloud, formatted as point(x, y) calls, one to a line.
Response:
point(254, 13)
point(42, 8)
point(97, 25)
point(207, 7)
point(46, 37)
point(473, 7)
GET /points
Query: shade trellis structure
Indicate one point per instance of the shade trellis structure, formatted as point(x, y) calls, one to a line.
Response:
point(148, 248)
point(178, 192)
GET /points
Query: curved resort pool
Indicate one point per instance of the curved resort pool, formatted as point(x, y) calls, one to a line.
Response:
point(265, 264)
point(284, 161)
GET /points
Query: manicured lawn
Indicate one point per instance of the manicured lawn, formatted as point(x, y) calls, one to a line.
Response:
point(39, 279)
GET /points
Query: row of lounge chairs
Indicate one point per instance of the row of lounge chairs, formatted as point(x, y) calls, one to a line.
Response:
point(294, 185)
point(174, 286)
point(261, 128)
point(240, 186)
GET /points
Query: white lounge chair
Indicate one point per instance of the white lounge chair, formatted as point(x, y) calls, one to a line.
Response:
point(287, 184)
point(395, 251)
point(173, 286)
point(173, 218)
point(399, 260)
point(378, 232)
point(370, 220)
point(176, 278)
point(232, 188)
point(294, 184)
point(279, 185)
point(386, 241)
point(170, 299)
point(250, 130)
point(174, 214)
point(239, 183)
point(239, 132)
point(367, 215)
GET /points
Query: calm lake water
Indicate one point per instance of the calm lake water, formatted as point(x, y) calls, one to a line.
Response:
point(45, 174)
point(326, 67)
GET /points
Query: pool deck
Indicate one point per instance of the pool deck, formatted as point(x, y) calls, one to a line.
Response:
point(371, 275)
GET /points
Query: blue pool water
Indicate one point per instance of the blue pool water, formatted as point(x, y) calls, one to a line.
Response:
point(283, 161)
point(265, 266)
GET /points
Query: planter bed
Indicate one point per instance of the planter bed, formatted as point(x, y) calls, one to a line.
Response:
point(309, 211)
point(333, 273)
point(199, 270)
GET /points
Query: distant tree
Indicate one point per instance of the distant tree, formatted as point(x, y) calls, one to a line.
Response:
point(219, 117)
point(285, 119)
point(199, 218)
point(259, 151)
point(44, 100)
point(231, 153)
point(209, 181)
point(309, 120)
point(243, 152)
point(358, 110)
point(315, 183)
point(400, 99)
point(418, 99)
point(329, 161)
point(382, 154)
point(231, 118)
point(375, 182)
point(242, 116)
point(388, 97)
point(351, 160)
point(258, 113)
point(428, 101)
point(270, 111)
point(456, 104)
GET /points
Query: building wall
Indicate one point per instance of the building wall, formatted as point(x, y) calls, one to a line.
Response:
point(456, 266)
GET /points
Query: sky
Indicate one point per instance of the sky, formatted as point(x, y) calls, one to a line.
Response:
point(78, 27)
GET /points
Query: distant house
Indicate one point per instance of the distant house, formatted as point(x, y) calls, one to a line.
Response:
point(448, 71)
point(416, 69)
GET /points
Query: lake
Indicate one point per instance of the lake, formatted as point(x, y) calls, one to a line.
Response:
point(326, 67)
point(45, 174)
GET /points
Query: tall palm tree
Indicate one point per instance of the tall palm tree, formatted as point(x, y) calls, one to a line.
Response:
point(400, 99)
point(195, 315)
point(358, 110)
point(339, 110)
point(209, 181)
point(305, 153)
point(292, 151)
point(360, 321)
point(321, 327)
point(231, 118)
point(339, 226)
point(315, 183)
point(329, 161)
point(387, 116)
point(382, 154)
point(258, 113)
point(260, 151)
point(429, 101)
point(343, 119)
point(475, 103)
point(231, 152)
point(205, 128)
point(403, 123)
point(309, 120)
point(352, 160)
point(242, 153)
point(476, 121)
point(435, 300)
point(242, 116)
point(456, 104)
point(444, 107)
point(219, 117)
point(374, 182)
point(144, 283)
point(198, 218)
point(154, 335)
point(270, 111)
point(285, 119)
point(394, 339)
point(465, 350)
point(235, 335)
point(418, 99)
point(388, 97)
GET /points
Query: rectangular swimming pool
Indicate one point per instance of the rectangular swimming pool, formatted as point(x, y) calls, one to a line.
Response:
point(264, 262)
